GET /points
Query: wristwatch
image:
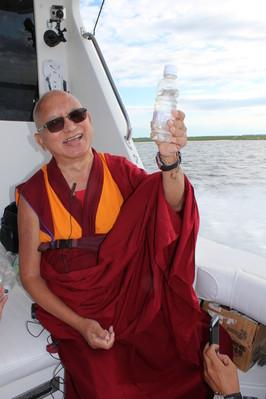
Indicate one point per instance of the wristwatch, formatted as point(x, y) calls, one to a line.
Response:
point(233, 396)
point(164, 166)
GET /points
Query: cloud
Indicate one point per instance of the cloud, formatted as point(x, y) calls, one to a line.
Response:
point(218, 48)
point(204, 42)
point(222, 104)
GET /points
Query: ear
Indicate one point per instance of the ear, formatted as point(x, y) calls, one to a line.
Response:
point(39, 140)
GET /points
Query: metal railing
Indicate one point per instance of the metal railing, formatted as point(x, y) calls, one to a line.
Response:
point(90, 36)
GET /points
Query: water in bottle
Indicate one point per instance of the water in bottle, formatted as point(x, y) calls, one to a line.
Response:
point(165, 103)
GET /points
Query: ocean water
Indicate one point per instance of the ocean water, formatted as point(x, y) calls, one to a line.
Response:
point(229, 178)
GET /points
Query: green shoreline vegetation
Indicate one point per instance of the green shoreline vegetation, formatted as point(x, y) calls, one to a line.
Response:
point(208, 138)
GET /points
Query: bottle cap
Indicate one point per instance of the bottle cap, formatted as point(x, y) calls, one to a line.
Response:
point(170, 70)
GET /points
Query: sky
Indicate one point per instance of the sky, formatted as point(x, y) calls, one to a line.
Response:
point(218, 47)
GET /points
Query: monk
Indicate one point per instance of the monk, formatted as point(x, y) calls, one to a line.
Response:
point(107, 253)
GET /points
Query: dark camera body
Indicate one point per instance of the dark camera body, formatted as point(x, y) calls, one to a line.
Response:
point(55, 35)
point(58, 13)
point(214, 330)
point(9, 228)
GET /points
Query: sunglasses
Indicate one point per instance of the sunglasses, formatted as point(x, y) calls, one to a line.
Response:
point(55, 125)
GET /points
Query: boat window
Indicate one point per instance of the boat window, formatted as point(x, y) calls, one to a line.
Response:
point(18, 60)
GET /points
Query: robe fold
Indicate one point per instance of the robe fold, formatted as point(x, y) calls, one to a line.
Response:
point(140, 280)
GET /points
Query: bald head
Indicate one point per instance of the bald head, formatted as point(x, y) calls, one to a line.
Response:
point(50, 96)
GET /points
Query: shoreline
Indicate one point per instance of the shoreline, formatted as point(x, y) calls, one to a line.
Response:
point(208, 138)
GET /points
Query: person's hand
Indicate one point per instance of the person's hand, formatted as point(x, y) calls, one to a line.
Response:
point(178, 131)
point(219, 371)
point(95, 335)
point(3, 299)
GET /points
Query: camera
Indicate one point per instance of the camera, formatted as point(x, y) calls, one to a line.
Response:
point(57, 13)
point(55, 35)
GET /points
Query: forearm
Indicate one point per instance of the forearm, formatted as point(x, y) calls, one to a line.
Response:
point(173, 185)
point(43, 296)
point(168, 160)
point(30, 259)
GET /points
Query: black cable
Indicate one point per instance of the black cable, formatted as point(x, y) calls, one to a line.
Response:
point(72, 193)
point(98, 16)
point(28, 322)
point(50, 341)
point(61, 380)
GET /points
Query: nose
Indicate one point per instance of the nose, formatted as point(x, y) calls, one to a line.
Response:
point(69, 125)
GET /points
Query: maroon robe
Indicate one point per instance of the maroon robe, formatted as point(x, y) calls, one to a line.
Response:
point(140, 281)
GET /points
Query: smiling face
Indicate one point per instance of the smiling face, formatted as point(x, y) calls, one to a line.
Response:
point(73, 141)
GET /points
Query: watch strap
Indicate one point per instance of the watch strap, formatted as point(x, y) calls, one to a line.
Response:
point(233, 396)
point(166, 167)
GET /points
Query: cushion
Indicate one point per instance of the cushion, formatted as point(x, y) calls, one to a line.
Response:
point(231, 277)
point(21, 353)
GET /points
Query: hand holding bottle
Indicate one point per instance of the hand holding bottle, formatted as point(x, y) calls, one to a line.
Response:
point(178, 136)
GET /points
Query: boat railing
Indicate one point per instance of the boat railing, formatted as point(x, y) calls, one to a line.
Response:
point(91, 36)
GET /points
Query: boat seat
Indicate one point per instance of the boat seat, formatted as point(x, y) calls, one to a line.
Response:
point(231, 277)
point(21, 354)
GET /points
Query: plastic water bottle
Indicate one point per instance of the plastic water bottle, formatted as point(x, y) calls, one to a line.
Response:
point(165, 103)
point(7, 275)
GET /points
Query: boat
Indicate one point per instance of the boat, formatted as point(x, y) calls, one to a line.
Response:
point(45, 47)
